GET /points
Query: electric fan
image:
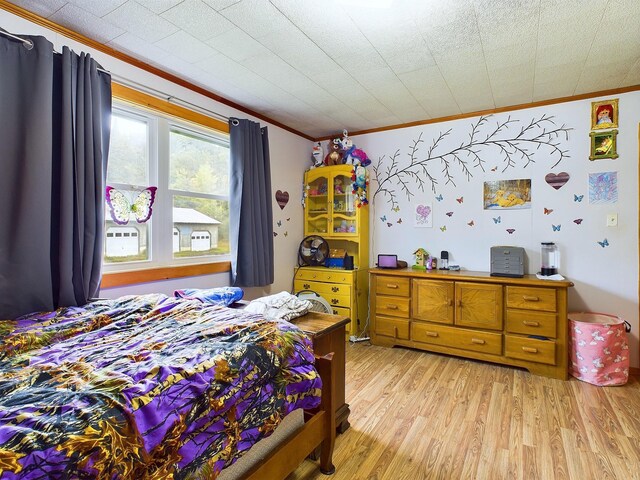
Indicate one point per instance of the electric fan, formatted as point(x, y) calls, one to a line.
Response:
point(313, 251)
point(318, 304)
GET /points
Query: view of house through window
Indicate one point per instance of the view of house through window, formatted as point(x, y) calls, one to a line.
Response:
point(189, 218)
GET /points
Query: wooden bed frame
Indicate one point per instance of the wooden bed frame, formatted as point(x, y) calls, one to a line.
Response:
point(319, 431)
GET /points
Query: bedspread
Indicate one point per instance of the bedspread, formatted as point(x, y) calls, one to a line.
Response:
point(145, 387)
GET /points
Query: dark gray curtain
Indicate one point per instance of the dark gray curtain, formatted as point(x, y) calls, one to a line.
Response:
point(55, 111)
point(251, 215)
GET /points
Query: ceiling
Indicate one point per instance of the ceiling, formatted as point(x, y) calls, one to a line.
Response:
point(321, 66)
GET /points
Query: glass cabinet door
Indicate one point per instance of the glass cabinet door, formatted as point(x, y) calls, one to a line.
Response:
point(317, 211)
point(343, 214)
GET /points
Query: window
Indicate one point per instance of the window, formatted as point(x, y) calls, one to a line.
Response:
point(189, 165)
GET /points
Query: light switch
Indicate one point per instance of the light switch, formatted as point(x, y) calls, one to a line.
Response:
point(612, 220)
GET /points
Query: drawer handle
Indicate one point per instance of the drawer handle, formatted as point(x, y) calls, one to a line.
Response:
point(478, 341)
point(529, 349)
point(391, 306)
point(395, 332)
point(431, 334)
point(307, 286)
point(335, 289)
point(392, 285)
point(531, 323)
point(335, 301)
point(450, 302)
point(529, 298)
point(459, 303)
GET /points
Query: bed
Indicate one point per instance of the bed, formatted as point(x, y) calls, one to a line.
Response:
point(157, 387)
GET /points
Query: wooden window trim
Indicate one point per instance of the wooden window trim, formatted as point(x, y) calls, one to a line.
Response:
point(149, 102)
point(131, 277)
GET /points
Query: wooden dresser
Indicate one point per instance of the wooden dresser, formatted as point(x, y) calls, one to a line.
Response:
point(512, 321)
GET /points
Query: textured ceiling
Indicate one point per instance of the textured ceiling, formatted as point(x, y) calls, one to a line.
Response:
point(321, 66)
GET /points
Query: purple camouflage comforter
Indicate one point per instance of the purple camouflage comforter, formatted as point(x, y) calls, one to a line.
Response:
point(145, 387)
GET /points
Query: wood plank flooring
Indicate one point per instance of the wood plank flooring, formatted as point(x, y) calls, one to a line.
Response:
point(417, 415)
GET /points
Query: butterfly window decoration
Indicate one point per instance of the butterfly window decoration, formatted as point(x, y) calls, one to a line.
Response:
point(122, 209)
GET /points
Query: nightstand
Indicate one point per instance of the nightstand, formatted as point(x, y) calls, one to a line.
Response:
point(327, 332)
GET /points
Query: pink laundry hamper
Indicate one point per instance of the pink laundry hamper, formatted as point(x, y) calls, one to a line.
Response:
point(599, 348)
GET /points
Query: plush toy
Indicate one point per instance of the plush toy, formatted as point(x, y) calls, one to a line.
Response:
point(317, 155)
point(334, 157)
point(337, 186)
point(355, 156)
point(360, 182)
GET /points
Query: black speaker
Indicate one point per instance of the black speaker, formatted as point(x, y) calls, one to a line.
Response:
point(348, 262)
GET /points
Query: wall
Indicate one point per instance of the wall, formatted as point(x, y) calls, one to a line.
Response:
point(605, 278)
point(289, 154)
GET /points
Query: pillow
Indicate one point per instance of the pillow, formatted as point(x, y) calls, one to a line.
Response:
point(223, 296)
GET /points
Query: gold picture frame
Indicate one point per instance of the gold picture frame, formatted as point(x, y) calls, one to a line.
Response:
point(604, 145)
point(604, 114)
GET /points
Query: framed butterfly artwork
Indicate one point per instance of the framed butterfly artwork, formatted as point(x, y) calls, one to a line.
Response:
point(127, 205)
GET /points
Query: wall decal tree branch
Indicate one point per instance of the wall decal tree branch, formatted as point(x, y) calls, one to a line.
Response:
point(512, 147)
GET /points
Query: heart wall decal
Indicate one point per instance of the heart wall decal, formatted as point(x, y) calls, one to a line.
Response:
point(557, 181)
point(282, 198)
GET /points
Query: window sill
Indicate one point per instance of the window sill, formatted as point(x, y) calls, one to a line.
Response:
point(120, 279)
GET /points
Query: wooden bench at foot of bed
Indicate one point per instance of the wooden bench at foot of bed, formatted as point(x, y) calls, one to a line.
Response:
point(319, 430)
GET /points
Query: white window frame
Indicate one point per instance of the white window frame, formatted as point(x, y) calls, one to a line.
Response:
point(160, 226)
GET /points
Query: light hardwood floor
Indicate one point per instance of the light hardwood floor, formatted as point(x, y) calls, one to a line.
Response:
point(417, 415)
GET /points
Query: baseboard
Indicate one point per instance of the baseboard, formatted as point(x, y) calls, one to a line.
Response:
point(634, 371)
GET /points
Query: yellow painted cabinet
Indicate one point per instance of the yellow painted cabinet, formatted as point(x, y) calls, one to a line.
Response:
point(330, 211)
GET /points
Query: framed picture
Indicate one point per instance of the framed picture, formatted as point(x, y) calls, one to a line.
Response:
point(604, 114)
point(507, 194)
point(603, 145)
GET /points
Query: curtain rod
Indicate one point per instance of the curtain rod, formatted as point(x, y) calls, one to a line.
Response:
point(28, 44)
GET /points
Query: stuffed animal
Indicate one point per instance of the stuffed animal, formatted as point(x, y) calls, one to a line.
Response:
point(317, 155)
point(360, 182)
point(355, 156)
point(334, 157)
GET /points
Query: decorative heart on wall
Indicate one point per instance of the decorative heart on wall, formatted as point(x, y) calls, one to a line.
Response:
point(282, 198)
point(556, 181)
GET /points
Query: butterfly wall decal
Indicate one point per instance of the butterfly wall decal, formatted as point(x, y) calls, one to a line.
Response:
point(383, 218)
point(389, 224)
point(556, 228)
point(460, 200)
point(449, 214)
point(578, 221)
point(443, 228)
point(275, 234)
point(286, 233)
point(497, 219)
point(439, 198)
point(494, 168)
point(399, 220)
point(471, 223)
point(289, 219)
point(121, 209)
point(604, 243)
point(279, 223)
point(577, 198)
point(547, 211)
point(510, 230)
point(396, 209)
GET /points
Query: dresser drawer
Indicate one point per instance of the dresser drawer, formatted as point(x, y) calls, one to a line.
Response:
point(526, 322)
point(325, 275)
point(530, 349)
point(322, 288)
point(397, 286)
point(392, 327)
point(337, 300)
point(531, 298)
point(393, 306)
point(462, 338)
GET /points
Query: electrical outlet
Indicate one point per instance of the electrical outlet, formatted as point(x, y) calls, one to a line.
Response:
point(612, 220)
